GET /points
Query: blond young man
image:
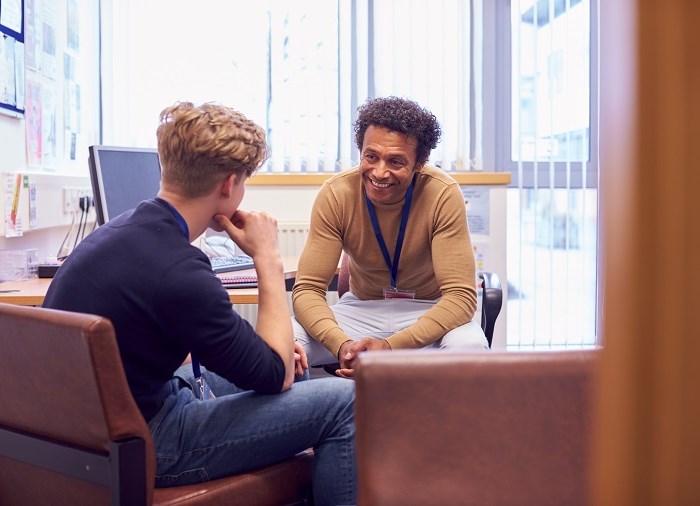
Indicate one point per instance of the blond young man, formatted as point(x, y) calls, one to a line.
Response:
point(141, 271)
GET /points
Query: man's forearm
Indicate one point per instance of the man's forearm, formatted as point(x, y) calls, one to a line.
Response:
point(274, 322)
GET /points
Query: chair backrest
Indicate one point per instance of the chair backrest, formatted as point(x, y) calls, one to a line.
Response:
point(490, 306)
point(53, 389)
point(491, 302)
point(474, 428)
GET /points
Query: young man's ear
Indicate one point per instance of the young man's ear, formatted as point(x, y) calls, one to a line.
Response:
point(227, 185)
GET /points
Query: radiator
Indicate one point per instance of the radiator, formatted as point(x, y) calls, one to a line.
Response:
point(291, 237)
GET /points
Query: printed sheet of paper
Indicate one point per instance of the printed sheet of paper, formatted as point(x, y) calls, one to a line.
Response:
point(11, 15)
point(13, 191)
point(477, 201)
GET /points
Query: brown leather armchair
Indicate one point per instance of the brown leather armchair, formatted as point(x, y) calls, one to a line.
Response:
point(71, 433)
point(479, 428)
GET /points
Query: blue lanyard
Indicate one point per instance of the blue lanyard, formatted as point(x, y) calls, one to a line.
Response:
point(178, 217)
point(185, 230)
point(393, 266)
point(195, 367)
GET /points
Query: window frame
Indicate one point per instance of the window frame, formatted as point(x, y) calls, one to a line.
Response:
point(566, 174)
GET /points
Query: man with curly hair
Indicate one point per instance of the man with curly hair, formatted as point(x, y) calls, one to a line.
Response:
point(403, 226)
point(160, 293)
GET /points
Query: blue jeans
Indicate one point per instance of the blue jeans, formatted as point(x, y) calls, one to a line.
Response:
point(239, 431)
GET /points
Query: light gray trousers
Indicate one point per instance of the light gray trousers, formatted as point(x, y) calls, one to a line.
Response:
point(381, 319)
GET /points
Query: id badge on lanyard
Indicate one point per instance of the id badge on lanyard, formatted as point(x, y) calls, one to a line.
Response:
point(397, 293)
point(393, 292)
point(202, 392)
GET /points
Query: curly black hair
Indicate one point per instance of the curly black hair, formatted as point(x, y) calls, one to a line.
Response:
point(403, 116)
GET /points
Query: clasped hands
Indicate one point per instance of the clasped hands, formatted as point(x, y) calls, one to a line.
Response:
point(349, 351)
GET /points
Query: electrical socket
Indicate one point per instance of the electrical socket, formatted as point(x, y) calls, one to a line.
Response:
point(71, 198)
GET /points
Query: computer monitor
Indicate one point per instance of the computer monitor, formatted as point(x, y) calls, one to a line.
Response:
point(122, 178)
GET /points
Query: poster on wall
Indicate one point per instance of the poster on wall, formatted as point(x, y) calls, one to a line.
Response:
point(477, 202)
point(12, 184)
point(32, 36)
point(12, 57)
point(33, 123)
point(49, 57)
point(49, 124)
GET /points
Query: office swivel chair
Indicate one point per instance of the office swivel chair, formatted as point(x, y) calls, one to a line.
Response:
point(490, 305)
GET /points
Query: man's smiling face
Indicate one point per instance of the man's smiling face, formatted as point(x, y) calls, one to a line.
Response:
point(387, 164)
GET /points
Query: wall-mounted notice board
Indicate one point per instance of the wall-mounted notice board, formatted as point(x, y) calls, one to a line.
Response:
point(12, 57)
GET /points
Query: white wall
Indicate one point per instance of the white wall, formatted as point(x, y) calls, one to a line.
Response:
point(286, 204)
point(12, 144)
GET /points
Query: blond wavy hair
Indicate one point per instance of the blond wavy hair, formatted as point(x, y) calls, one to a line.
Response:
point(200, 146)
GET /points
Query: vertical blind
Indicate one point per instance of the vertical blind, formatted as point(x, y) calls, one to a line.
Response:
point(427, 51)
point(303, 105)
point(301, 70)
point(552, 218)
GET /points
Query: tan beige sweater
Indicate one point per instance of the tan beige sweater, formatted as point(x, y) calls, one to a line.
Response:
point(437, 259)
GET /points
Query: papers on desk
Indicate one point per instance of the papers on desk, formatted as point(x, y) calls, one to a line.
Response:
point(238, 281)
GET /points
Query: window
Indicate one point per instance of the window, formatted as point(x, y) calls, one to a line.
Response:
point(299, 69)
point(512, 83)
point(429, 51)
point(279, 66)
point(548, 99)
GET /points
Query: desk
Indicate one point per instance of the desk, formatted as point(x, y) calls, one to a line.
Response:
point(31, 292)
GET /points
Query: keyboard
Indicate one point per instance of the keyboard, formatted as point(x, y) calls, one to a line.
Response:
point(232, 263)
point(238, 281)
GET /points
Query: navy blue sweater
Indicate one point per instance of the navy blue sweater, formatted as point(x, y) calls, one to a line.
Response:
point(164, 301)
